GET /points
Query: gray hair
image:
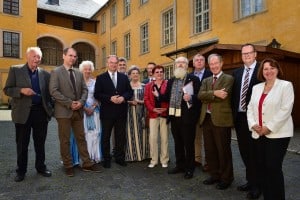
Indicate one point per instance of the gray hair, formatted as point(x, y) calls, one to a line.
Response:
point(214, 55)
point(35, 49)
point(86, 63)
point(182, 58)
point(132, 68)
point(122, 59)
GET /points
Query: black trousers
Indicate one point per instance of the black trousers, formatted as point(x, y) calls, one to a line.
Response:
point(245, 144)
point(269, 155)
point(119, 126)
point(184, 138)
point(38, 123)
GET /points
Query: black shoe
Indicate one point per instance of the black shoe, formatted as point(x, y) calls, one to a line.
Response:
point(19, 177)
point(45, 172)
point(175, 170)
point(253, 194)
point(222, 185)
point(121, 162)
point(188, 175)
point(210, 181)
point(245, 187)
point(106, 164)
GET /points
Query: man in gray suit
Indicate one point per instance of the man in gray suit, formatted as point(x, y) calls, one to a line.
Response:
point(69, 90)
point(31, 109)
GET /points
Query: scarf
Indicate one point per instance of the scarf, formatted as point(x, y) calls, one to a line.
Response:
point(176, 97)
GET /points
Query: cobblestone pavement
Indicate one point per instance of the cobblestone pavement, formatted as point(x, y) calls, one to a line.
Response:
point(135, 181)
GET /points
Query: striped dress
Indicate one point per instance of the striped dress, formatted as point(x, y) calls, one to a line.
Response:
point(137, 135)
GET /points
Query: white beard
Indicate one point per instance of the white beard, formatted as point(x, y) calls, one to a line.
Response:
point(179, 73)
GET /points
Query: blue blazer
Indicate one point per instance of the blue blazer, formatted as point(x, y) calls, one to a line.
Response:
point(105, 89)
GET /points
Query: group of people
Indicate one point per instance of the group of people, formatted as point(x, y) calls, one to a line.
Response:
point(117, 115)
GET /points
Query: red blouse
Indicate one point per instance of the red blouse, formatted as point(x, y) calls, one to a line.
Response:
point(261, 100)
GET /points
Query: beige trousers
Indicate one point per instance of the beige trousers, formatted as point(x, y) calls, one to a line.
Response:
point(156, 126)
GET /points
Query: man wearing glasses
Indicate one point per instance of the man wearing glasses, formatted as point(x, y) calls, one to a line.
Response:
point(244, 79)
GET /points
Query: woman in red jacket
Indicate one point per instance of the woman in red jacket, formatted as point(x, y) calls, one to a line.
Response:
point(157, 113)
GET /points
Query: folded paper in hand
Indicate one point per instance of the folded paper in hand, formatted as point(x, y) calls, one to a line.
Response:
point(188, 89)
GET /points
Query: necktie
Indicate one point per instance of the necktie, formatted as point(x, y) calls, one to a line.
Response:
point(73, 82)
point(245, 89)
point(113, 78)
point(212, 87)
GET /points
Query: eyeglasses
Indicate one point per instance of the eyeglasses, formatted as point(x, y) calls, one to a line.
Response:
point(161, 72)
point(247, 53)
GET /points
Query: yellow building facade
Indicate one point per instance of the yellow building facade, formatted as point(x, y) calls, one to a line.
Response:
point(227, 22)
point(150, 30)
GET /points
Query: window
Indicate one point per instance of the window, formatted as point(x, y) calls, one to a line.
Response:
point(169, 71)
point(11, 44)
point(113, 13)
point(126, 8)
point(84, 52)
point(143, 1)
point(52, 51)
point(103, 23)
point(103, 51)
point(77, 25)
point(249, 7)
point(201, 15)
point(168, 27)
point(127, 46)
point(11, 7)
point(144, 38)
point(113, 48)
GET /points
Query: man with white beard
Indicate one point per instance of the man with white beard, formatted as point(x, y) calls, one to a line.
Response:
point(183, 115)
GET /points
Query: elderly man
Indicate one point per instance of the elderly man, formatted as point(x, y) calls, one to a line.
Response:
point(184, 107)
point(216, 119)
point(31, 109)
point(113, 90)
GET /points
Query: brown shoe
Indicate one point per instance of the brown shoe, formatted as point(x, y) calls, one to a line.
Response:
point(70, 172)
point(93, 168)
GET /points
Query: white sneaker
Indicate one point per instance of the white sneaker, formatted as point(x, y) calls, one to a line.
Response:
point(151, 165)
point(164, 165)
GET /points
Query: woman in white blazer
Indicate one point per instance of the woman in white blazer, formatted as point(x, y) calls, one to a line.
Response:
point(269, 119)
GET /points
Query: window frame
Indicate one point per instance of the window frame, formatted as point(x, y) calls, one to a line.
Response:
point(103, 23)
point(127, 8)
point(113, 48)
point(103, 53)
point(168, 30)
point(12, 45)
point(113, 15)
point(127, 46)
point(252, 5)
point(144, 38)
point(10, 10)
point(201, 18)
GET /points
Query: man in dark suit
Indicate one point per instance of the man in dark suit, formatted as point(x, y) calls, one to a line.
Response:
point(31, 109)
point(242, 90)
point(201, 73)
point(69, 90)
point(113, 90)
point(183, 114)
point(149, 68)
point(216, 120)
